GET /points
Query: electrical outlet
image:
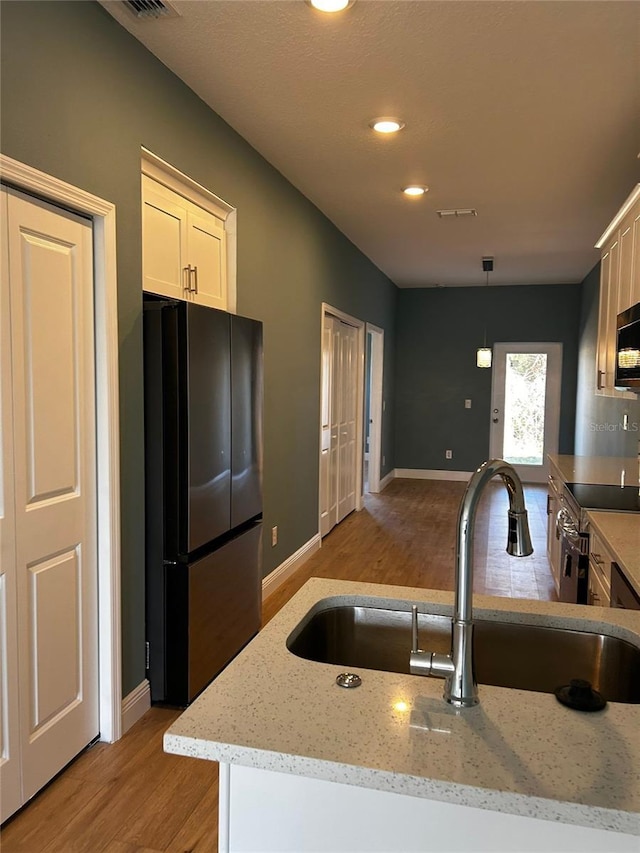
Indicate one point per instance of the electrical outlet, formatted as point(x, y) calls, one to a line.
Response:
point(467, 404)
point(274, 536)
point(448, 454)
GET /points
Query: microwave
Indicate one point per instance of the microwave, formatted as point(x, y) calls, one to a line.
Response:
point(628, 349)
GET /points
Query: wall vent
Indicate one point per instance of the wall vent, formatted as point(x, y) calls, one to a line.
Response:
point(145, 10)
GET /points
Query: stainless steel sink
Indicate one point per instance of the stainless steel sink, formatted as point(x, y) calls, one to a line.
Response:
point(527, 657)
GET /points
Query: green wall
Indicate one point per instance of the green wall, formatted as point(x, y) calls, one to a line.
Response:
point(438, 331)
point(599, 419)
point(80, 96)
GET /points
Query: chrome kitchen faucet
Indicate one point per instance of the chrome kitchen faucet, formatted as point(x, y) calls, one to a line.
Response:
point(457, 667)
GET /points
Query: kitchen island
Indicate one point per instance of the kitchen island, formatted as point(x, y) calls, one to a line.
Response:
point(621, 533)
point(307, 765)
point(609, 470)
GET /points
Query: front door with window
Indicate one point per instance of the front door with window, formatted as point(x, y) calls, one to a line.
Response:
point(525, 406)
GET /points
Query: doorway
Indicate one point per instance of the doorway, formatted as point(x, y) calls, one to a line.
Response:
point(373, 408)
point(341, 417)
point(525, 406)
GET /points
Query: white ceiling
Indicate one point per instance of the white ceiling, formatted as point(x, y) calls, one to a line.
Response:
point(527, 111)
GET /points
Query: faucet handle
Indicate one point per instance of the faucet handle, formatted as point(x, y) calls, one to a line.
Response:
point(414, 628)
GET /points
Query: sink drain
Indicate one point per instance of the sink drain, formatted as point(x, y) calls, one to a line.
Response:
point(348, 679)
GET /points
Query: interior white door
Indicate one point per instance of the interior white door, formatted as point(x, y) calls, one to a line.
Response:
point(347, 380)
point(525, 406)
point(339, 420)
point(375, 377)
point(328, 429)
point(50, 279)
point(10, 775)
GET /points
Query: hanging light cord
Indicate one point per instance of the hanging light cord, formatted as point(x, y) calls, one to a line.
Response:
point(485, 313)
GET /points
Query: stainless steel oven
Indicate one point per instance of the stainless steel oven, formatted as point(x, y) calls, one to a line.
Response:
point(574, 556)
point(572, 529)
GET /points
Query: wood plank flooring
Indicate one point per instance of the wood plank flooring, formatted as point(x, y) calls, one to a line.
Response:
point(131, 797)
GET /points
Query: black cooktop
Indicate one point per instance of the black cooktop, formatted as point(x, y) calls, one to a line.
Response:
point(620, 498)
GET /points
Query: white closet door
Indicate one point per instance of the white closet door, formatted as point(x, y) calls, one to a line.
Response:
point(338, 432)
point(348, 385)
point(328, 433)
point(10, 779)
point(51, 316)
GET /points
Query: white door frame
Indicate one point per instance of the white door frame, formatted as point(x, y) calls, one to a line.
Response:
point(359, 325)
point(375, 406)
point(103, 214)
point(532, 473)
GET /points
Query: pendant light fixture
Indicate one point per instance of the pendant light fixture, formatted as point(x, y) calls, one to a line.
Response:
point(483, 353)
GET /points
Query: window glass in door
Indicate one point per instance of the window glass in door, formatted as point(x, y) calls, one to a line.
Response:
point(525, 388)
point(525, 406)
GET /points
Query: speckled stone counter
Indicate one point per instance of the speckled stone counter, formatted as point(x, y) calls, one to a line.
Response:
point(517, 752)
point(621, 533)
point(607, 470)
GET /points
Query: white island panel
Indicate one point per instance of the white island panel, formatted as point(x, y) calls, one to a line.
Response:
point(267, 812)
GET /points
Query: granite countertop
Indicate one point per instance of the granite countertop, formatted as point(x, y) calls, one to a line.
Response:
point(517, 752)
point(607, 470)
point(621, 534)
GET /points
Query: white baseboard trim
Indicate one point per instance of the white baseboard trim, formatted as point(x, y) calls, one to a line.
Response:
point(384, 482)
point(429, 474)
point(284, 571)
point(135, 704)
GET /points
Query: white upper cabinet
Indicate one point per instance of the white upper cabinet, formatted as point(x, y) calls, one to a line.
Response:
point(619, 287)
point(164, 242)
point(183, 248)
point(207, 259)
point(188, 238)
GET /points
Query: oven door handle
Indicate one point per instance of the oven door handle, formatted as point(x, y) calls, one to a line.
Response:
point(566, 527)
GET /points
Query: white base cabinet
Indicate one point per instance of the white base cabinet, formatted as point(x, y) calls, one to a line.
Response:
point(263, 811)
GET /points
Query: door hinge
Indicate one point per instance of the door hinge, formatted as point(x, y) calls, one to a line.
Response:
point(146, 656)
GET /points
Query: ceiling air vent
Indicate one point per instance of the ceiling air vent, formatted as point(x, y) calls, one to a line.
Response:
point(464, 211)
point(150, 9)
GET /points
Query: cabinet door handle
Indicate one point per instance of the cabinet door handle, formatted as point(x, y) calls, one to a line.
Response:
point(548, 504)
point(193, 270)
point(186, 278)
point(601, 374)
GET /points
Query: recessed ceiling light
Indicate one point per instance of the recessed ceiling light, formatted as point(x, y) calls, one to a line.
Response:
point(386, 124)
point(330, 5)
point(415, 190)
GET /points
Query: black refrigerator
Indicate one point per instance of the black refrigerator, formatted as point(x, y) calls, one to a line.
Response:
point(203, 487)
